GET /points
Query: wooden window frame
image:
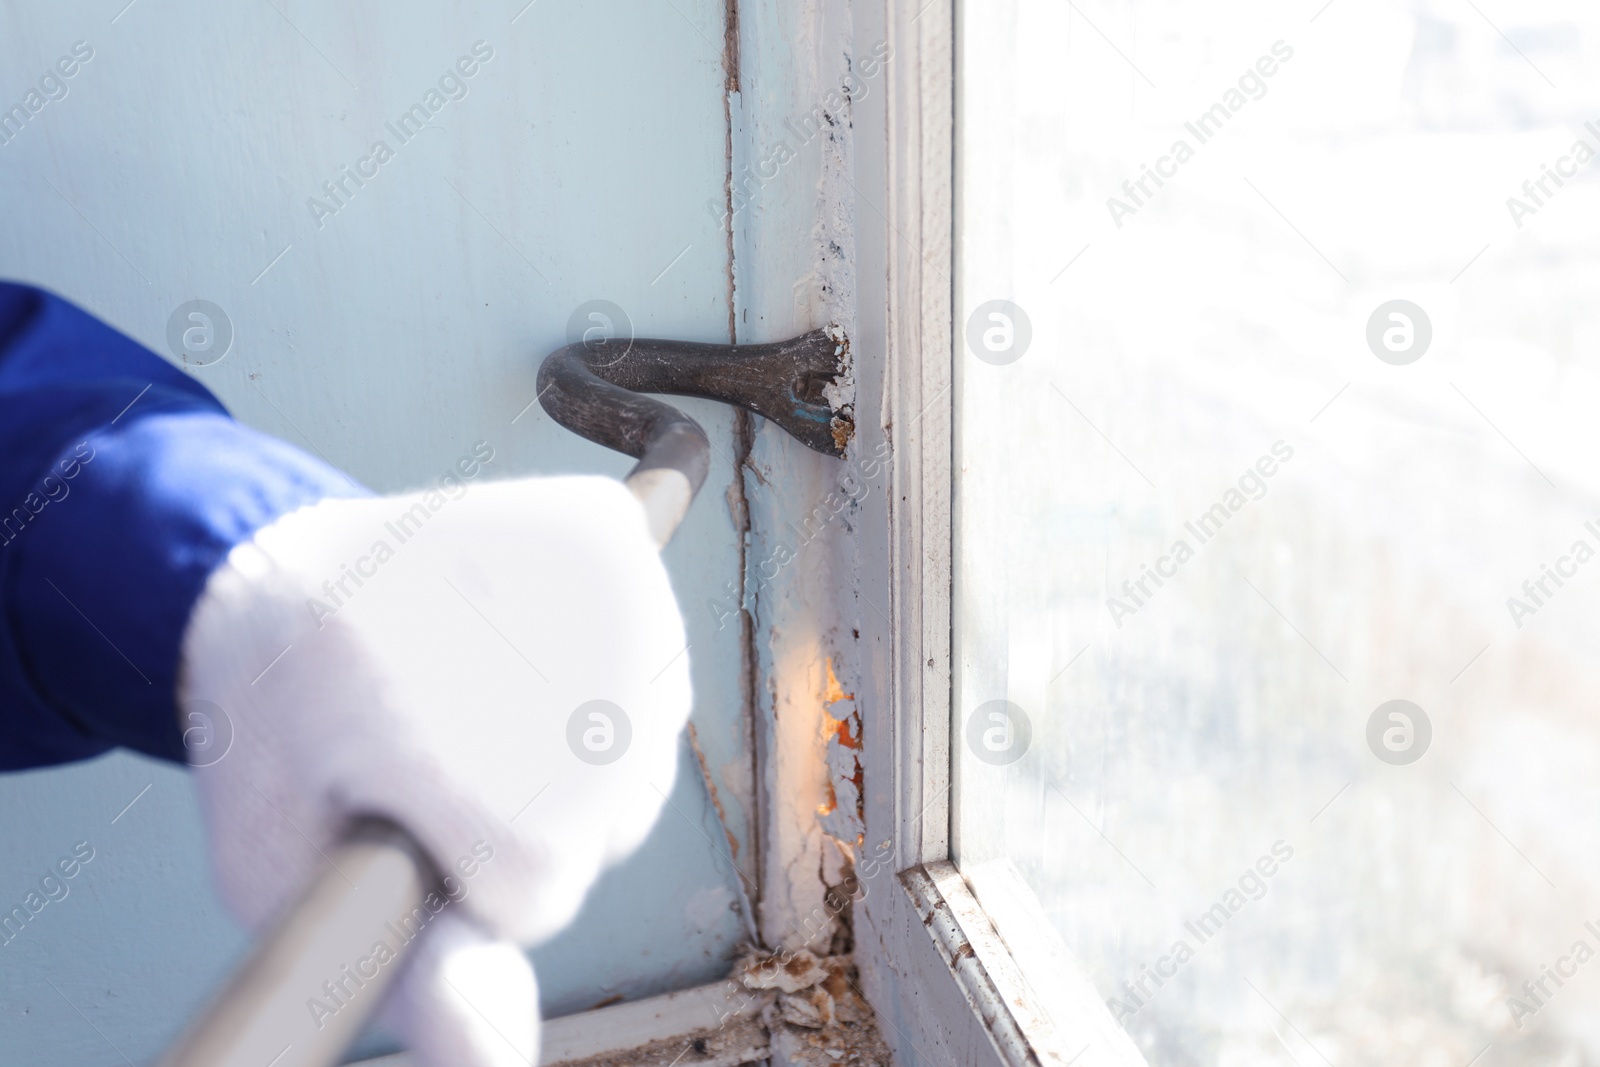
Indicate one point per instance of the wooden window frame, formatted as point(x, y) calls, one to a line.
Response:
point(946, 985)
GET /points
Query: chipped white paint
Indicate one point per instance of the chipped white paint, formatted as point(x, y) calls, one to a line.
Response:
point(793, 266)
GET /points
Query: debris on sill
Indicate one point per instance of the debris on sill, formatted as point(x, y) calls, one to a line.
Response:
point(787, 972)
point(819, 1018)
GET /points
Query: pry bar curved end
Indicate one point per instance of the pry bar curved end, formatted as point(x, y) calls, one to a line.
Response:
point(593, 390)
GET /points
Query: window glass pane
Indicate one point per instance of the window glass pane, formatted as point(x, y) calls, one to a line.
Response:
point(1278, 517)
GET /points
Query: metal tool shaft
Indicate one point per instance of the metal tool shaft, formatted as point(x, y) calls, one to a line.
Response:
point(378, 877)
point(307, 988)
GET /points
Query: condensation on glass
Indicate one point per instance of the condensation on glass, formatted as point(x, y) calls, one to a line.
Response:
point(1278, 518)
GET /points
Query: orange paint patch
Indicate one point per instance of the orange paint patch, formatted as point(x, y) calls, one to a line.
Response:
point(838, 729)
point(830, 803)
point(834, 691)
point(845, 732)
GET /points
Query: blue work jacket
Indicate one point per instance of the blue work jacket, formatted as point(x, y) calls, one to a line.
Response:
point(123, 483)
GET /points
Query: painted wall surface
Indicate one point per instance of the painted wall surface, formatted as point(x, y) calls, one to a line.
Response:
point(388, 326)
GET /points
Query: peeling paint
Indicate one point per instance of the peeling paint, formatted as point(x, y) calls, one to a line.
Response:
point(834, 692)
point(840, 391)
point(795, 259)
point(843, 811)
point(842, 428)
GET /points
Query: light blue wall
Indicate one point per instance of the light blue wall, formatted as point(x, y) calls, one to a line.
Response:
point(404, 328)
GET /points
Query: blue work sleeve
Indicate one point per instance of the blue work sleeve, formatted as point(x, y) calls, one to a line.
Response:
point(123, 483)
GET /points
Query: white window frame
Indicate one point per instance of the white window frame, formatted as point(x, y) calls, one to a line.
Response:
point(948, 987)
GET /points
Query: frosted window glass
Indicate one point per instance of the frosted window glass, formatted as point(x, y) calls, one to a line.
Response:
point(1278, 512)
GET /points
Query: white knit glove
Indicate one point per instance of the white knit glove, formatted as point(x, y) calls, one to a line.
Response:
point(433, 659)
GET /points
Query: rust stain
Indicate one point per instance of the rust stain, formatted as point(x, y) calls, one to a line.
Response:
point(711, 788)
point(840, 729)
point(843, 428)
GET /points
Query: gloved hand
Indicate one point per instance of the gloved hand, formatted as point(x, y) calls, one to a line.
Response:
point(426, 658)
